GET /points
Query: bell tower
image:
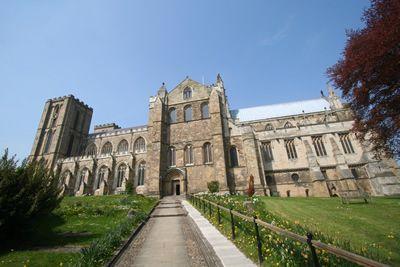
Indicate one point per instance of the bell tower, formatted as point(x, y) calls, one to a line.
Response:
point(62, 130)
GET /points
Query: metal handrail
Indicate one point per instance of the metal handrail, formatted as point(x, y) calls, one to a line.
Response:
point(350, 256)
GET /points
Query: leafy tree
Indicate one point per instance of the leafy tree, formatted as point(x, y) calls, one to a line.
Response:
point(369, 76)
point(26, 192)
point(129, 187)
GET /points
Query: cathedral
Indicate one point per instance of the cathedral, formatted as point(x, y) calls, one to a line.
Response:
point(192, 137)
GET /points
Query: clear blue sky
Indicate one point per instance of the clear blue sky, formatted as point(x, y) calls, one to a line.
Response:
point(115, 54)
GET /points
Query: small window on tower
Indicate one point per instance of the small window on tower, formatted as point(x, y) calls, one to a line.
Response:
point(187, 93)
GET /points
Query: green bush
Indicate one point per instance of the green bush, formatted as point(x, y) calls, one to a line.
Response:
point(213, 186)
point(26, 191)
point(129, 187)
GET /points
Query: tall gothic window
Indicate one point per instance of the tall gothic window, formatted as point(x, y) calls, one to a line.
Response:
point(140, 145)
point(290, 149)
point(172, 156)
point(205, 114)
point(319, 146)
point(233, 156)
point(267, 151)
point(346, 143)
point(107, 149)
point(188, 155)
point(101, 176)
point(121, 174)
point(172, 115)
point(91, 150)
point(141, 173)
point(123, 147)
point(70, 145)
point(187, 93)
point(48, 141)
point(188, 113)
point(207, 153)
point(82, 177)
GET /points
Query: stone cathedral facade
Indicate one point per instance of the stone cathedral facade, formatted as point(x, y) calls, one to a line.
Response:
point(192, 137)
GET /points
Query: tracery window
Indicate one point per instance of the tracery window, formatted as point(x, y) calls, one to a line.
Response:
point(140, 145)
point(295, 177)
point(188, 113)
point(172, 115)
point(123, 146)
point(187, 93)
point(106, 149)
point(288, 125)
point(269, 127)
point(267, 151)
point(141, 173)
point(207, 153)
point(82, 177)
point(205, 113)
point(91, 150)
point(290, 149)
point(233, 156)
point(171, 156)
point(188, 155)
point(319, 146)
point(346, 143)
point(121, 174)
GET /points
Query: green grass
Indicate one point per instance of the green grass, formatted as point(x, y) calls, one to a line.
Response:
point(376, 223)
point(77, 222)
point(369, 229)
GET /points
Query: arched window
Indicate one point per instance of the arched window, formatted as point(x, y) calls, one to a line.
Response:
point(188, 113)
point(295, 177)
point(55, 115)
point(106, 149)
point(205, 114)
point(48, 141)
point(207, 153)
point(121, 174)
point(91, 150)
point(233, 156)
point(269, 127)
point(141, 173)
point(76, 121)
point(101, 176)
point(171, 156)
point(288, 125)
point(123, 146)
point(140, 145)
point(172, 115)
point(188, 154)
point(187, 93)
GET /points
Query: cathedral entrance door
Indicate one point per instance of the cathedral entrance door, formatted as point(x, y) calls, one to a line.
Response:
point(173, 183)
point(177, 188)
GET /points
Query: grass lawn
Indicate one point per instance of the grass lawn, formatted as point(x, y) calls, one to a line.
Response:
point(57, 238)
point(375, 223)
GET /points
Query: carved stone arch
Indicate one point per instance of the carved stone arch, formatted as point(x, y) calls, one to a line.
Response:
point(288, 124)
point(67, 182)
point(174, 182)
point(140, 145)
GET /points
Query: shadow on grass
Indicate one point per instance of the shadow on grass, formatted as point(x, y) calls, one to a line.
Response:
point(41, 233)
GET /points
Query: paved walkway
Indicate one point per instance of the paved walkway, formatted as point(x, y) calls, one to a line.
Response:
point(166, 240)
point(171, 238)
point(224, 248)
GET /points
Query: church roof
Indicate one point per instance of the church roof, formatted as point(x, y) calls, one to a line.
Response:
point(280, 110)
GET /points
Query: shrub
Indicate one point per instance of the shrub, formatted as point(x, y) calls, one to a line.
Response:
point(250, 190)
point(129, 187)
point(26, 191)
point(213, 186)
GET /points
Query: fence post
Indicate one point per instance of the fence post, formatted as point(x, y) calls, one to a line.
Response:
point(219, 216)
point(259, 249)
point(232, 224)
point(312, 249)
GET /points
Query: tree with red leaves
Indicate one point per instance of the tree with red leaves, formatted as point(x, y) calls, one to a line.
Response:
point(369, 76)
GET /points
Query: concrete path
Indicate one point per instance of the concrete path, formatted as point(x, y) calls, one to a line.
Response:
point(167, 240)
point(224, 248)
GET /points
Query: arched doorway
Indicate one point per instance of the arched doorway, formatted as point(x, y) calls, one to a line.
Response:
point(173, 183)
